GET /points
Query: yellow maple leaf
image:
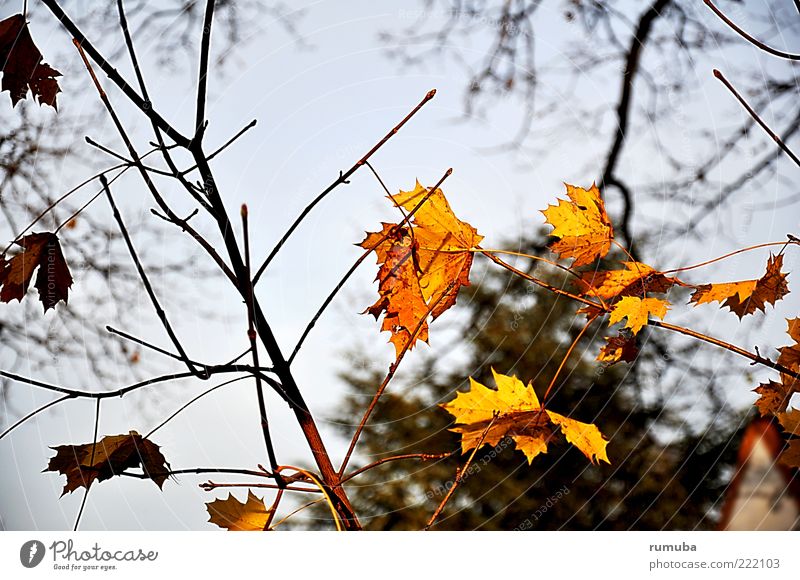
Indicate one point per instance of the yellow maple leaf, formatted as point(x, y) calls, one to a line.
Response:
point(513, 410)
point(749, 295)
point(637, 310)
point(581, 224)
point(236, 516)
point(635, 279)
point(444, 246)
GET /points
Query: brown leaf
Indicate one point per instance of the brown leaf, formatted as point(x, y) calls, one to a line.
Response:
point(790, 421)
point(791, 455)
point(750, 295)
point(236, 516)
point(774, 397)
point(113, 454)
point(42, 250)
point(635, 280)
point(618, 348)
point(22, 66)
point(790, 355)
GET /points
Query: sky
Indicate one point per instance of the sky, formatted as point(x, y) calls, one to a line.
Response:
point(320, 105)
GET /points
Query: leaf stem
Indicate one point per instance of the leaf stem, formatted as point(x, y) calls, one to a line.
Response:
point(460, 473)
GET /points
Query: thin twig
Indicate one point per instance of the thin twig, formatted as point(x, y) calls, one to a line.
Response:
point(162, 315)
point(758, 119)
point(460, 474)
point(210, 250)
point(566, 356)
point(114, 75)
point(202, 77)
point(123, 21)
point(252, 334)
point(343, 177)
point(212, 485)
point(420, 456)
point(728, 255)
point(756, 358)
point(273, 509)
point(211, 370)
point(34, 413)
point(389, 375)
point(542, 283)
point(195, 399)
point(752, 40)
point(91, 462)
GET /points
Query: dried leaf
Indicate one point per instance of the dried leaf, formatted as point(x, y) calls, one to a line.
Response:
point(774, 397)
point(581, 224)
point(791, 455)
point(635, 280)
point(43, 251)
point(513, 410)
point(790, 421)
point(637, 310)
point(22, 66)
point(790, 355)
point(750, 295)
point(618, 348)
point(236, 516)
point(113, 454)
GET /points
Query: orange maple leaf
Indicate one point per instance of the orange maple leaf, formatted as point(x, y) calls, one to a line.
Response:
point(636, 279)
point(400, 297)
point(445, 246)
point(749, 295)
point(423, 264)
point(581, 224)
point(637, 310)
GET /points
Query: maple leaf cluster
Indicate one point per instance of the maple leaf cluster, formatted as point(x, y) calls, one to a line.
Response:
point(425, 259)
